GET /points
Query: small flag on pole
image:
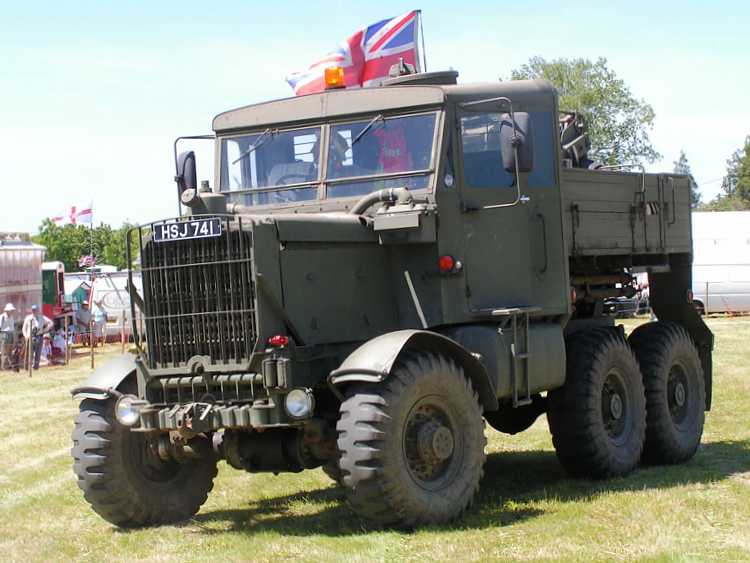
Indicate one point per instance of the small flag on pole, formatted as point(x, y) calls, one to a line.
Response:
point(75, 215)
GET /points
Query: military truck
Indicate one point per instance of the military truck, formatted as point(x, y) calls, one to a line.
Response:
point(374, 275)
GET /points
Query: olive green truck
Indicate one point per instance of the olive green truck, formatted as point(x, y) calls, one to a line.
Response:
point(377, 274)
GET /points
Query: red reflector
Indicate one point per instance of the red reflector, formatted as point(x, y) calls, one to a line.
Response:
point(278, 340)
point(446, 263)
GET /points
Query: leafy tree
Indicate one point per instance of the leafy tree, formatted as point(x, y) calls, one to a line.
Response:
point(618, 123)
point(67, 244)
point(682, 166)
point(737, 180)
point(736, 184)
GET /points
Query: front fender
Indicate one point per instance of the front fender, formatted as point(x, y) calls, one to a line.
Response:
point(373, 361)
point(103, 382)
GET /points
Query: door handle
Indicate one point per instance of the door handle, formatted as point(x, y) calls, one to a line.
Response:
point(544, 241)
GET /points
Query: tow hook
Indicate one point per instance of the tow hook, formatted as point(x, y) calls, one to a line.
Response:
point(194, 417)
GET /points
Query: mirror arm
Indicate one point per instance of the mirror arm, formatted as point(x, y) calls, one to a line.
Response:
point(519, 198)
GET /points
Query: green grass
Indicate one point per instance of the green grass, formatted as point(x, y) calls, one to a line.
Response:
point(526, 509)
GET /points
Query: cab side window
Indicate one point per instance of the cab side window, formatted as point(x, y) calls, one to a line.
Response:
point(480, 139)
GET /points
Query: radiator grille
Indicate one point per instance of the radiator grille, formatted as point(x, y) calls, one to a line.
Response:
point(199, 297)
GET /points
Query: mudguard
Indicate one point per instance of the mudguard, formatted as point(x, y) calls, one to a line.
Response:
point(372, 361)
point(104, 380)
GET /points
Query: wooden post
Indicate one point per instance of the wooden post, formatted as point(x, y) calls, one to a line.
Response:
point(705, 303)
point(29, 351)
point(67, 345)
point(122, 330)
point(91, 339)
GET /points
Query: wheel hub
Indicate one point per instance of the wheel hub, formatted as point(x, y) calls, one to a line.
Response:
point(615, 406)
point(434, 442)
point(679, 394)
point(429, 441)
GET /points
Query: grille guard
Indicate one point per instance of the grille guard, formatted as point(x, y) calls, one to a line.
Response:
point(199, 299)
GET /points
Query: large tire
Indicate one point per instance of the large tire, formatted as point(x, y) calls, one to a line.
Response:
point(412, 448)
point(675, 392)
point(598, 418)
point(124, 482)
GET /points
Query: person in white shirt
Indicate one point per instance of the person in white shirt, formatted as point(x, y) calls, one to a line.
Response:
point(83, 320)
point(7, 334)
point(35, 326)
point(100, 323)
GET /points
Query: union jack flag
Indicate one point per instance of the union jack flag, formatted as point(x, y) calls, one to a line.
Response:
point(366, 56)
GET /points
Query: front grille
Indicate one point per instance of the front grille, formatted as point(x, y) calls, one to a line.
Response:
point(199, 297)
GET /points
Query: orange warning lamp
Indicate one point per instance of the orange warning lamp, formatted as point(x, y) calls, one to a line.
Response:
point(334, 77)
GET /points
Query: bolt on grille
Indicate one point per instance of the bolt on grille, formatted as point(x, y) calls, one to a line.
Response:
point(199, 297)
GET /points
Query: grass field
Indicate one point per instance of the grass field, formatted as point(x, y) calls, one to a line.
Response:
point(526, 508)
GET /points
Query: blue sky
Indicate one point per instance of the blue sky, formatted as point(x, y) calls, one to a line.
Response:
point(92, 94)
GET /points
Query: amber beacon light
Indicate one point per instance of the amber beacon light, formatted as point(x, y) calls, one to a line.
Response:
point(334, 77)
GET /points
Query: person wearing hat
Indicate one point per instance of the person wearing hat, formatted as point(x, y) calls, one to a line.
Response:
point(35, 326)
point(83, 319)
point(7, 334)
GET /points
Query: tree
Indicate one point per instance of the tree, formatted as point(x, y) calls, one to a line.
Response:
point(737, 180)
point(682, 166)
point(618, 123)
point(67, 244)
point(736, 184)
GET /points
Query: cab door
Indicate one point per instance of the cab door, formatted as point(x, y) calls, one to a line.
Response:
point(497, 262)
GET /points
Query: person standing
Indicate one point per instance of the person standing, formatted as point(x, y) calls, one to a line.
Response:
point(7, 335)
point(35, 326)
point(83, 321)
point(100, 323)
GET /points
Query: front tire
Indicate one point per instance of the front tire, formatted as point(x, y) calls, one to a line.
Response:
point(598, 418)
point(675, 392)
point(412, 448)
point(124, 481)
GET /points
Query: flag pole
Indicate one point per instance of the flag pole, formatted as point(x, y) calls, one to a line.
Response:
point(421, 34)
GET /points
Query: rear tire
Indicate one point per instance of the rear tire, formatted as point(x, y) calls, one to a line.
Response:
point(598, 418)
point(124, 482)
point(412, 448)
point(675, 392)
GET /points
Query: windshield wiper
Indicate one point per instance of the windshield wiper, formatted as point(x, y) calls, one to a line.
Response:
point(257, 144)
point(367, 127)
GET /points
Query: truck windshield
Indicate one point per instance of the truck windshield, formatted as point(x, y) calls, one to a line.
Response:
point(283, 166)
point(274, 166)
point(396, 146)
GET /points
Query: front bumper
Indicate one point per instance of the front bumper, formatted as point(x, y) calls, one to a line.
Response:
point(208, 417)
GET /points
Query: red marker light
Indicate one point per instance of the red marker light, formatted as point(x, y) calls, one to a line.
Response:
point(278, 340)
point(446, 263)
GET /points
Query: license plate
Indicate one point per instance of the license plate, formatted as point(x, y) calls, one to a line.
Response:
point(197, 228)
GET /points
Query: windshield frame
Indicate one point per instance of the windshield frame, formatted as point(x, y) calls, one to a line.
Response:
point(323, 181)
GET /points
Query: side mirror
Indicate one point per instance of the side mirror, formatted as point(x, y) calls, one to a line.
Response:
point(186, 177)
point(519, 137)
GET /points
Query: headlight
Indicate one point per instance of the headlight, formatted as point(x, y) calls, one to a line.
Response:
point(299, 403)
point(128, 410)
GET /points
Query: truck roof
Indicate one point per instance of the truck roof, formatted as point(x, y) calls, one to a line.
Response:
point(536, 94)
